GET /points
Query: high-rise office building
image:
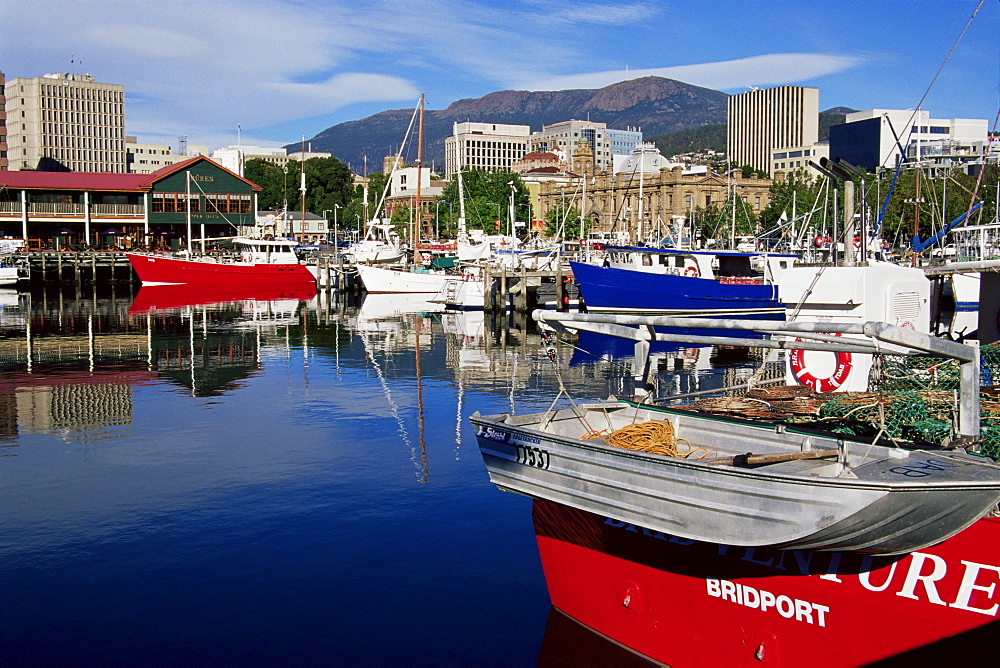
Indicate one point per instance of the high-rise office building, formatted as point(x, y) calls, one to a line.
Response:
point(65, 122)
point(563, 138)
point(489, 146)
point(761, 121)
point(3, 125)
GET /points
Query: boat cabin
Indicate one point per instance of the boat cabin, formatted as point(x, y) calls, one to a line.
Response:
point(725, 266)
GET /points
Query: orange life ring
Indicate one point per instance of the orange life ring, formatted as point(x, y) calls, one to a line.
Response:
point(691, 271)
point(843, 369)
point(819, 241)
point(857, 242)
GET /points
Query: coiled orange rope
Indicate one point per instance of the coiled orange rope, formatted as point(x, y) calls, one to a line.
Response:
point(656, 438)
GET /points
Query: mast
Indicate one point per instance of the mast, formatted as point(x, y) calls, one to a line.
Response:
point(365, 179)
point(187, 186)
point(418, 223)
point(916, 210)
point(642, 171)
point(302, 189)
point(461, 193)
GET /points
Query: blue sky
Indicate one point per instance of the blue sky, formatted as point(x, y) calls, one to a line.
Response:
point(282, 69)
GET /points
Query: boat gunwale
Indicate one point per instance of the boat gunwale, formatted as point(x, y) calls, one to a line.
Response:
point(759, 474)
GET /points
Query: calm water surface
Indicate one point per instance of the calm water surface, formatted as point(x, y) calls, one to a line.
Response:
point(269, 482)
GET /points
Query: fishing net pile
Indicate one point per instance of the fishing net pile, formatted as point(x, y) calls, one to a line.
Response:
point(912, 399)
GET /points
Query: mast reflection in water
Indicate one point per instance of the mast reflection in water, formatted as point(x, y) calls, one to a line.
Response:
point(278, 479)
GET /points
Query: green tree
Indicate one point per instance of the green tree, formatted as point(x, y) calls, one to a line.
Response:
point(487, 200)
point(797, 193)
point(328, 182)
point(564, 219)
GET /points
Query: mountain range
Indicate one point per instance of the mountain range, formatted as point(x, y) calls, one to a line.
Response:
point(655, 105)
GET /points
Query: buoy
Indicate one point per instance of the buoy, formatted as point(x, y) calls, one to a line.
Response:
point(840, 373)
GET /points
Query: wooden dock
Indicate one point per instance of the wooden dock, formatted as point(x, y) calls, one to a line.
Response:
point(77, 267)
point(523, 290)
point(519, 290)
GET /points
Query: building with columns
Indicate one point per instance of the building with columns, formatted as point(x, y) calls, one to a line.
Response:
point(642, 204)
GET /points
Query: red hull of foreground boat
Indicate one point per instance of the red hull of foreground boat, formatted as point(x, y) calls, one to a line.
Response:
point(696, 604)
point(166, 270)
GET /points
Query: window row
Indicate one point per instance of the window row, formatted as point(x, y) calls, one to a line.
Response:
point(178, 203)
point(81, 93)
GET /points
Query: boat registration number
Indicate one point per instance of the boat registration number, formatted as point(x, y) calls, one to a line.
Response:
point(922, 469)
point(528, 455)
point(531, 456)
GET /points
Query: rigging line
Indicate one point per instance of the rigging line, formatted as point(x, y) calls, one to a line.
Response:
point(628, 187)
point(947, 58)
point(393, 406)
point(979, 179)
point(920, 105)
point(215, 206)
point(395, 164)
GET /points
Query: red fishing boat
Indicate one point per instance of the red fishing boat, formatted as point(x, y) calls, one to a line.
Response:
point(268, 263)
point(687, 603)
point(690, 570)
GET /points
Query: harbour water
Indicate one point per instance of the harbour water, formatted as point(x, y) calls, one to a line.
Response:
point(282, 481)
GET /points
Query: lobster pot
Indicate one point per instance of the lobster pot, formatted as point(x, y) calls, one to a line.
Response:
point(852, 295)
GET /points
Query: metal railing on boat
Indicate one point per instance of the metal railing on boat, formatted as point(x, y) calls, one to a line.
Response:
point(877, 338)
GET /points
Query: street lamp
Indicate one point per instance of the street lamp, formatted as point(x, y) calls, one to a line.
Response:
point(336, 240)
point(437, 221)
point(511, 212)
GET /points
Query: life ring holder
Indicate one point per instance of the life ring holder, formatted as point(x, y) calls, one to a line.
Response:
point(691, 271)
point(829, 384)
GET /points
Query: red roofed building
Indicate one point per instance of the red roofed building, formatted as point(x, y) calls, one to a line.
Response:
point(536, 161)
point(191, 199)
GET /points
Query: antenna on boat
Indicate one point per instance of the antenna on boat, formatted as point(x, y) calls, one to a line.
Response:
point(302, 188)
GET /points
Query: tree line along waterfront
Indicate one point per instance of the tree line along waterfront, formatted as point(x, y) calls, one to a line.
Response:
point(888, 195)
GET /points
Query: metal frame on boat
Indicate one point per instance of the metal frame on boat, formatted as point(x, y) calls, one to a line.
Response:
point(738, 483)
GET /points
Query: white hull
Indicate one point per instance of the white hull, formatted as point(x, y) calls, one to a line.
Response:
point(379, 280)
point(9, 276)
point(461, 294)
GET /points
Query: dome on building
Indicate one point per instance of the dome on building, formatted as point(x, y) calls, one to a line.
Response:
point(648, 156)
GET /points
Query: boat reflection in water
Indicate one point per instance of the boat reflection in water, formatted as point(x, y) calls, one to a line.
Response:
point(166, 297)
point(249, 483)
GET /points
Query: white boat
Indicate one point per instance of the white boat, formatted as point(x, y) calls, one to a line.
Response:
point(736, 482)
point(462, 293)
point(380, 246)
point(384, 280)
point(12, 270)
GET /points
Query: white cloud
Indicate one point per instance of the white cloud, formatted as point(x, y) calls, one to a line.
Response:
point(599, 14)
point(767, 70)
